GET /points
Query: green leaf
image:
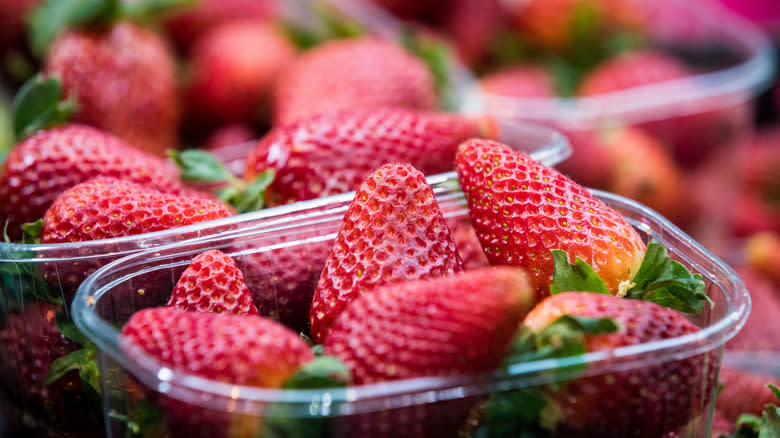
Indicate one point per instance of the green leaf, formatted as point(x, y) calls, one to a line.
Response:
point(68, 329)
point(201, 166)
point(145, 10)
point(66, 364)
point(577, 277)
point(55, 16)
point(565, 337)
point(666, 282)
point(322, 372)
point(39, 105)
point(253, 198)
point(512, 414)
point(31, 232)
point(330, 24)
point(437, 55)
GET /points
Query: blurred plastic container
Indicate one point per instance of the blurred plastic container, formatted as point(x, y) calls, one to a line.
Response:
point(700, 118)
point(107, 299)
point(38, 283)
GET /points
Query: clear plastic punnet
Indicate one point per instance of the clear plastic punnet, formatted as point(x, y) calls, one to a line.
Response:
point(135, 387)
point(38, 283)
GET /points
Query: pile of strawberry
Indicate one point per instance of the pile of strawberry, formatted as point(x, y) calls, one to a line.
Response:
point(393, 302)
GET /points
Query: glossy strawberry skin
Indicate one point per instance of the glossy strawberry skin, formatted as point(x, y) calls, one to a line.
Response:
point(213, 283)
point(229, 83)
point(455, 325)
point(393, 231)
point(645, 401)
point(124, 80)
point(522, 209)
point(333, 152)
point(526, 81)
point(744, 392)
point(47, 163)
point(352, 74)
point(468, 244)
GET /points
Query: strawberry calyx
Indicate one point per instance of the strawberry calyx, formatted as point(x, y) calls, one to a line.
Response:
point(39, 105)
point(765, 426)
point(438, 57)
point(659, 279)
point(53, 17)
point(328, 24)
point(201, 166)
point(321, 372)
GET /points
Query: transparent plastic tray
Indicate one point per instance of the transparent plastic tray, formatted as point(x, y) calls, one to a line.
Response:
point(38, 282)
point(107, 299)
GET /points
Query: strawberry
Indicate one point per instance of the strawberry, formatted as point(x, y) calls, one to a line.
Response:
point(522, 209)
point(720, 426)
point(234, 349)
point(758, 333)
point(13, 14)
point(761, 252)
point(526, 81)
point(743, 392)
point(333, 152)
point(451, 326)
point(124, 80)
point(213, 283)
point(589, 163)
point(45, 164)
point(228, 83)
point(468, 244)
point(472, 25)
point(642, 402)
point(559, 24)
point(187, 25)
point(30, 342)
point(691, 136)
point(392, 231)
point(363, 73)
point(103, 208)
point(645, 171)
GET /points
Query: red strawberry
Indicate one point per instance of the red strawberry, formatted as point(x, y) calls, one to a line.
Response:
point(720, 426)
point(472, 26)
point(229, 83)
point(589, 163)
point(213, 283)
point(459, 325)
point(630, 70)
point(29, 343)
point(455, 325)
point(13, 15)
point(761, 252)
point(352, 74)
point(333, 152)
point(744, 392)
point(42, 166)
point(554, 24)
point(520, 81)
point(124, 80)
point(645, 171)
point(234, 349)
point(468, 244)
point(190, 24)
point(759, 332)
point(642, 402)
point(521, 210)
point(393, 231)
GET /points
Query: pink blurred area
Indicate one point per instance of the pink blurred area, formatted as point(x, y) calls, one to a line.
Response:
point(763, 12)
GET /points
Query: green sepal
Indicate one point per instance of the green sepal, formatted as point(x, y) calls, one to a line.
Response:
point(565, 337)
point(512, 414)
point(766, 426)
point(6, 237)
point(577, 277)
point(144, 420)
point(666, 282)
point(322, 372)
point(68, 329)
point(200, 166)
point(145, 10)
point(438, 57)
point(31, 232)
point(53, 17)
point(65, 364)
point(330, 24)
point(253, 197)
point(38, 105)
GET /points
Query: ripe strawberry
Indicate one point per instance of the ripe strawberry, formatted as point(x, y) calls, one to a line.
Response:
point(352, 74)
point(228, 83)
point(720, 426)
point(692, 137)
point(333, 152)
point(103, 208)
point(459, 325)
point(761, 252)
point(589, 163)
point(234, 349)
point(645, 171)
point(521, 210)
point(520, 81)
point(13, 14)
point(43, 165)
point(188, 25)
point(213, 283)
point(472, 26)
point(29, 343)
point(743, 392)
point(468, 244)
point(759, 333)
point(642, 402)
point(393, 231)
point(124, 80)
point(556, 24)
